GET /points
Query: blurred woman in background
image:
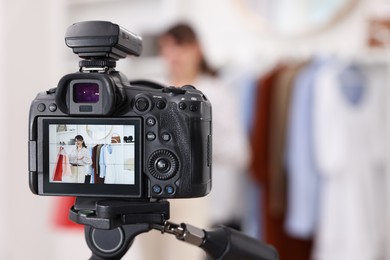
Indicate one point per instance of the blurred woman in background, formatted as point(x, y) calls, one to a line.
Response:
point(181, 50)
point(186, 65)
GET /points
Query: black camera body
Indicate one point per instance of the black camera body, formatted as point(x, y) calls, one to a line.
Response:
point(138, 139)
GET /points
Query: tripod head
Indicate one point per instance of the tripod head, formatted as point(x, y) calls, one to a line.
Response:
point(111, 226)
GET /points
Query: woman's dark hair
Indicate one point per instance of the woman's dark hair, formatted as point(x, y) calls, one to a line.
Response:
point(79, 137)
point(184, 34)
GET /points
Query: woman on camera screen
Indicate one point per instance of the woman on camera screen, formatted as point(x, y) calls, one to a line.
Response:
point(79, 158)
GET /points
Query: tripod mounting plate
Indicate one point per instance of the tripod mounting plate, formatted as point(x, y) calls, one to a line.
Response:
point(112, 213)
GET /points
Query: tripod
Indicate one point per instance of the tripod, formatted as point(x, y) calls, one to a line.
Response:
point(111, 226)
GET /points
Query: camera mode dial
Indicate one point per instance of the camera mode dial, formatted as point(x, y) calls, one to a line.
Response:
point(163, 164)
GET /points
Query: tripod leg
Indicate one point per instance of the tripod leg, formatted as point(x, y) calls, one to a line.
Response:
point(112, 244)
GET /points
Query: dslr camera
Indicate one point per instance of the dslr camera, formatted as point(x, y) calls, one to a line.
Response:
point(99, 135)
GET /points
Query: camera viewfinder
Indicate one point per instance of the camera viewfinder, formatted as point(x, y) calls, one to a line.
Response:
point(86, 92)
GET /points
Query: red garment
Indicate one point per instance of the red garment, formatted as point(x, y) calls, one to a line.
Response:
point(63, 204)
point(261, 130)
point(61, 213)
point(95, 164)
point(58, 170)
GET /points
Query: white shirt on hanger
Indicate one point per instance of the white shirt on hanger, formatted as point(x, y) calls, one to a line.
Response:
point(349, 146)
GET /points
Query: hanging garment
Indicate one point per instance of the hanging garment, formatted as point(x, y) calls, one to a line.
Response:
point(349, 132)
point(303, 178)
point(279, 108)
point(98, 179)
point(96, 150)
point(109, 160)
point(91, 169)
point(252, 220)
point(102, 163)
point(274, 233)
point(95, 165)
point(260, 132)
point(249, 87)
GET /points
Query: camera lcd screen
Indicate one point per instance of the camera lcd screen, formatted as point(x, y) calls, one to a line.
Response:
point(92, 156)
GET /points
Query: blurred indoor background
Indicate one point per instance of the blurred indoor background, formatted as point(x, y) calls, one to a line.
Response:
point(310, 79)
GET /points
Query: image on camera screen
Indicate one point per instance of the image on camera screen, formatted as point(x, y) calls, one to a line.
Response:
point(92, 154)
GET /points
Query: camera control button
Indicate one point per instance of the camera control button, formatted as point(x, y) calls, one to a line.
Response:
point(41, 107)
point(193, 108)
point(160, 104)
point(169, 189)
point(156, 189)
point(150, 121)
point(150, 136)
point(166, 137)
point(142, 104)
point(52, 107)
point(163, 165)
point(182, 105)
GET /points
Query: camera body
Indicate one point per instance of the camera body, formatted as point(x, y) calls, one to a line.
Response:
point(98, 135)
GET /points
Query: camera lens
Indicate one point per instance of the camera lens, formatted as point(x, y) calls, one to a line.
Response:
point(86, 92)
